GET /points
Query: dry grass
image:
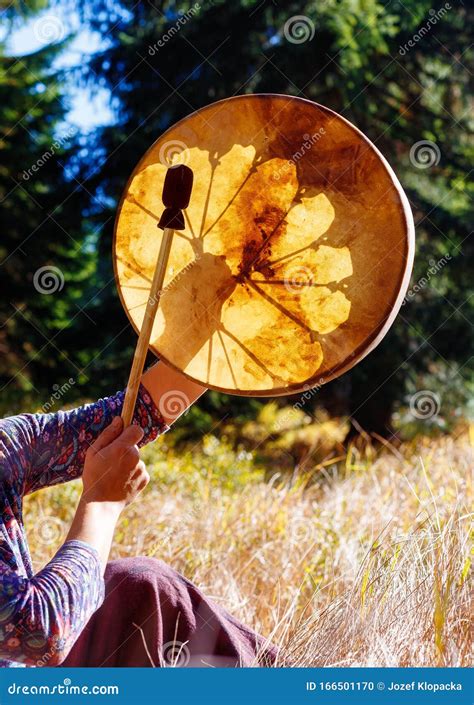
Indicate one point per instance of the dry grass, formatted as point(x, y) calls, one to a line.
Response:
point(365, 562)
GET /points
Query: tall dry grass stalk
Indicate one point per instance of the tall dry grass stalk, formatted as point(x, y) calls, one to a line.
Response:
point(364, 563)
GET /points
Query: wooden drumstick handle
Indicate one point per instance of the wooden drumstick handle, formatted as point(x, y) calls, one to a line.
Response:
point(147, 326)
point(176, 195)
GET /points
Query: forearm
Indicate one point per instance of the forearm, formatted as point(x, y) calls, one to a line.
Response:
point(94, 523)
point(46, 449)
point(54, 446)
point(46, 613)
point(172, 392)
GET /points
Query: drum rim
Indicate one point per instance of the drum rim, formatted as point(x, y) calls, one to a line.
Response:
point(371, 342)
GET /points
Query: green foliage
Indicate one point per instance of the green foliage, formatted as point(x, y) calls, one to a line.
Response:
point(211, 463)
point(362, 61)
point(41, 229)
point(447, 406)
point(286, 437)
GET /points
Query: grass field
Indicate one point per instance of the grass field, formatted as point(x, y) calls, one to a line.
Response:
point(362, 560)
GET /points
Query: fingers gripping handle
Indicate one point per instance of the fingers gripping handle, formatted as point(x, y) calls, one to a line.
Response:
point(176, 194)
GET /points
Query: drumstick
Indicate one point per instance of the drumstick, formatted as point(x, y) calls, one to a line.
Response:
point(176, 194)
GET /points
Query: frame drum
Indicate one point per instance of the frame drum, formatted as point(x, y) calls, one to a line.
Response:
point(297, 251)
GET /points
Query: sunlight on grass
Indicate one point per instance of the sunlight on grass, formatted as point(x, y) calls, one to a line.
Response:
point(361, 561)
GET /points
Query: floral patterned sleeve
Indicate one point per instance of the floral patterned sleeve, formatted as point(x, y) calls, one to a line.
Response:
point(42, 616)
point(51, 447)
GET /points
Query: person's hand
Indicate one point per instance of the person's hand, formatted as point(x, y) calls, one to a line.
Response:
point(113, 471)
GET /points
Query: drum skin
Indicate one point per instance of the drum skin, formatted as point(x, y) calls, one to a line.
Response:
point(297, 251)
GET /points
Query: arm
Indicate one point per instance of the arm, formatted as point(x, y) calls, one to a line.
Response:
point(171, 392)
point(113, 476)
point(41, 617)
point(51, 448)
